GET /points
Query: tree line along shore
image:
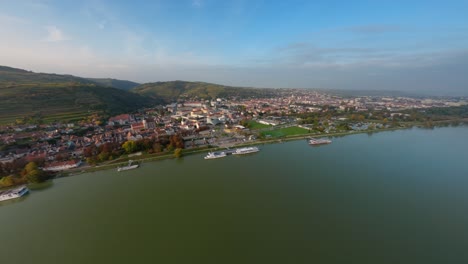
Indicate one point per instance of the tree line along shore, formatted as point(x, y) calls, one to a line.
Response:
point(156, 157)
point(249, 131)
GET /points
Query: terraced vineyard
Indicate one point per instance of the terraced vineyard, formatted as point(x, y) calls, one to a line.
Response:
point(66, 98)
point(64, 102)
point(41, 97)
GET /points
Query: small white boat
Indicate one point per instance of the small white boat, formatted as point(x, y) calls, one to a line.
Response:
point(246, 150)
point(320, 141)
point(13, 193)
point(215, 155)
point(130, 166)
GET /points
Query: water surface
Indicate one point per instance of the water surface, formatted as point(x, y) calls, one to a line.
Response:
point(391, 197)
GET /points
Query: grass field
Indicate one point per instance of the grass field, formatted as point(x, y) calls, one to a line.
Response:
point(284, 132)
point(255, 125)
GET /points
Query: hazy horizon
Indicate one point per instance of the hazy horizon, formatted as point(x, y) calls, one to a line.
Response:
point(417, 47)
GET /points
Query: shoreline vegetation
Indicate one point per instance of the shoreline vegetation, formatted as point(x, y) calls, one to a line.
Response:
point(90, 125)
point(156, 157)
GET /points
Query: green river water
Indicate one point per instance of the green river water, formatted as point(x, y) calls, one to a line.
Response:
point(390, 197)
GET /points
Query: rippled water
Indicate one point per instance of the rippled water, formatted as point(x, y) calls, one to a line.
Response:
point(391, 197)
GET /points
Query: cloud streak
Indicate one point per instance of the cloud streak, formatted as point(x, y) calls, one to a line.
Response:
point(11, 20)
point(102, 24)
point(197, 3)
point(54, 34)
point(234, 45)
point(373, 29)
point(308, 54)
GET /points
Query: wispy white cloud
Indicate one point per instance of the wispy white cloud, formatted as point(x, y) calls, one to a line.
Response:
point(373, 29)
point(39, 6)
point(197, 3)
point(133, 43)
point(102, 24)
point(307, 55)
point(54, 34)
point(11, 20)
point(112, 66)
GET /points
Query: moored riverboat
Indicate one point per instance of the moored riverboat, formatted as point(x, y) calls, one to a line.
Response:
point(131, 165)
point(13, 193)
point(319, 141)
point(246, 150)
point(215, 155)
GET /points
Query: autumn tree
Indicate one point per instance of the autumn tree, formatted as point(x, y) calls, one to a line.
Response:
point(103, 156)
point(31, 166)
point(90, 151)
point(157, 147)
point(106, 147)
point(7, 181)
point(33, 173)
point(176, 141)
point(178, 153)
point(129, 146)
point(144, 144)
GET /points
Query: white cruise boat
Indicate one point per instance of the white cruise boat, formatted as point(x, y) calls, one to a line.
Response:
point(246, 150)
point(13, 193)
point(215, 155)
point(130, 166)
point(319, 141)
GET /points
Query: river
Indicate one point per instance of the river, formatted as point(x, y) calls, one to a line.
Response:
point(390, 197)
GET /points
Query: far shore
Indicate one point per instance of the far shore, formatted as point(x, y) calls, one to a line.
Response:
point(186, 152)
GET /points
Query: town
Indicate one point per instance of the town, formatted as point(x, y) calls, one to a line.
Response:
point(196, 124)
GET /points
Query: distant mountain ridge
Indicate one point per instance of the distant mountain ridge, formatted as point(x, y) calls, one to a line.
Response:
point(383, 93)
point(66, 97)
point(109, 82)
point(20, 76)
point(173, 90)
point(13, 76)
point(10, 69)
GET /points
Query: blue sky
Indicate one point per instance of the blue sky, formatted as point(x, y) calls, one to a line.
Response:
point(416, 46)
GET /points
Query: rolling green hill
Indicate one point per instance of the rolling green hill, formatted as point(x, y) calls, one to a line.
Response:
point(53, 97)
point(171, 91)
point(119, 84)
point(11, 76)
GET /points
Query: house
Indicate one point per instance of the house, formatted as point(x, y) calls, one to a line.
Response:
point(36, 155)
point(212, 120)
point(123, 119)
point(63, 165)
point(138, 126)
point(150, 123)
point(193, 104)
point(268, 122)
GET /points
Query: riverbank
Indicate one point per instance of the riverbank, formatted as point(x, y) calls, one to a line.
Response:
point(338, 192)
point(155, 157)
point(122, 161)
